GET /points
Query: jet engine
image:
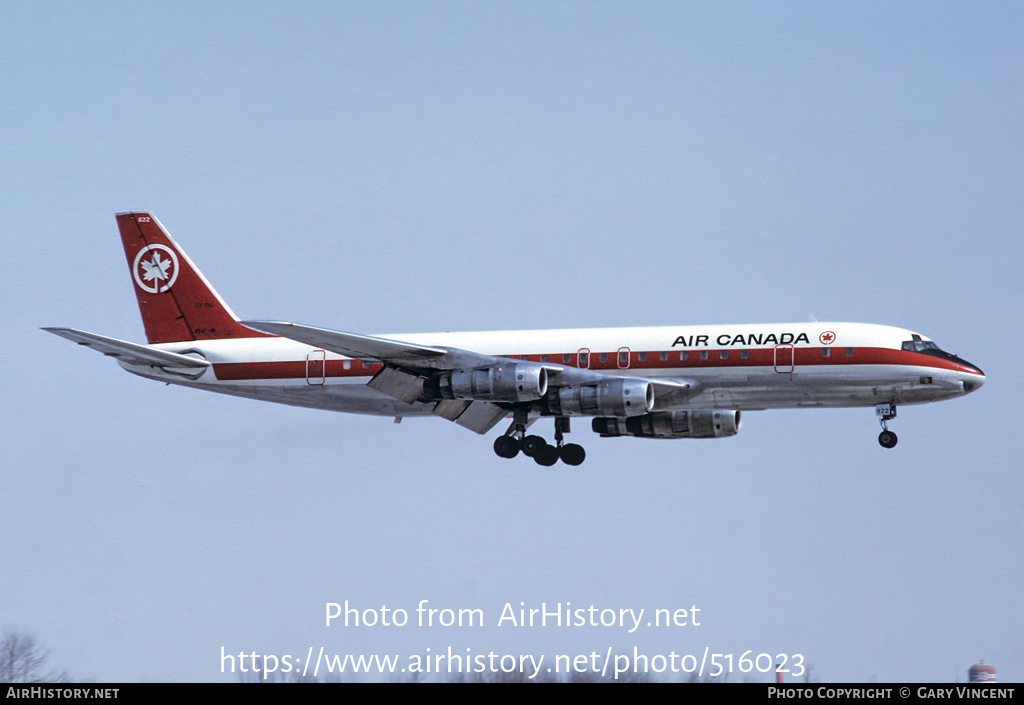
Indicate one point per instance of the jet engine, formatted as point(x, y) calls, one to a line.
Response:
point(611, 397)
point(506, 382)
point(699, 423)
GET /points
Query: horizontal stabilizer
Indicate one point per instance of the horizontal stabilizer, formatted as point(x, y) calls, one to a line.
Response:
point(130, 353)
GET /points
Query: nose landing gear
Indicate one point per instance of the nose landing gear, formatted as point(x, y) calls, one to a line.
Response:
point(886, 413)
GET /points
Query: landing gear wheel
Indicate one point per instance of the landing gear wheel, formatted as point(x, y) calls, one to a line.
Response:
point(886, 413)
point(546, 455)
point(572, 454)
point(506, 446)
point(531, 445)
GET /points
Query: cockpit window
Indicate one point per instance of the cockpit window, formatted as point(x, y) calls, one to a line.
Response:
point(927, 347)
point(919, 345)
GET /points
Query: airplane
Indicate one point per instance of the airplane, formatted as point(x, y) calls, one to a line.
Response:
point(653, 382)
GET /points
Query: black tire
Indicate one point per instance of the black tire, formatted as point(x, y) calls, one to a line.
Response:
point(887, 439)
point(531, 445)
point(506, 446)
point(546, 456)
point(572, 454)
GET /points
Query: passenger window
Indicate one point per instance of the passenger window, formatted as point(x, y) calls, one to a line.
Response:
point(825, 352)
point(566, 359)
point(682, 355)
point(744, 354)
point(849, 352)
point(663, 355)
point(604, 357)
point(703, 354)
point(724, 354)
point(641, 356)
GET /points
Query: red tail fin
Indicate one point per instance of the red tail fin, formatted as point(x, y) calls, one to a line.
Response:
point(176, 301)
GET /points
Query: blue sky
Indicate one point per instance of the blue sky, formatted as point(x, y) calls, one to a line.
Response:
point(463, 166)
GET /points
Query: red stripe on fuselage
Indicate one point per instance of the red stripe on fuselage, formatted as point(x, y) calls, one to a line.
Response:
point(756, 357)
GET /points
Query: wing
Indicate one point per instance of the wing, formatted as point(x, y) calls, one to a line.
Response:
point(411, 358)
point(411, 368)
point(407, 356)
point(408, 366)
point(132, 353)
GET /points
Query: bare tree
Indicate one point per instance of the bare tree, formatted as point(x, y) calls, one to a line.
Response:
point(22, 660)
point(811, 675)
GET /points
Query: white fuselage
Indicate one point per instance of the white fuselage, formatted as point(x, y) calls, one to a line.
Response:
point(741, 367)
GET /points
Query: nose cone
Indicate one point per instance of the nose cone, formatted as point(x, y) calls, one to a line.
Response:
point(971, 376)
point(972, 382)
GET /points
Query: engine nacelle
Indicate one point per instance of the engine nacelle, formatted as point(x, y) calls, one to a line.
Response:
point(519, 381)
point(611, 397)
point(699, 423)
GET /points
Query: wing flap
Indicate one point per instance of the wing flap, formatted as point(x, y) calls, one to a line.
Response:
point(481, 416)
point(477, 416)
point(397, 384)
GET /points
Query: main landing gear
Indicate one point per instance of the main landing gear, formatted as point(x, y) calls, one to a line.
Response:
point(886, 413)
point(543, 453)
